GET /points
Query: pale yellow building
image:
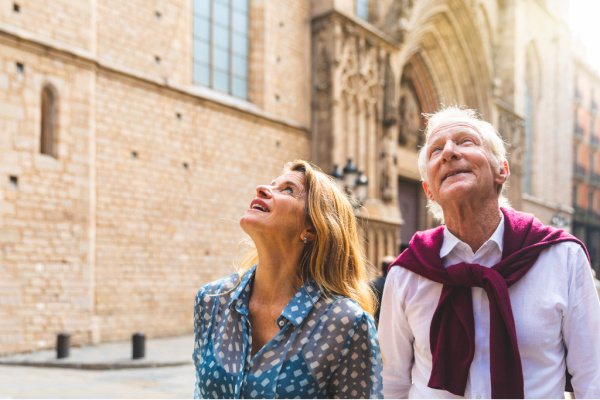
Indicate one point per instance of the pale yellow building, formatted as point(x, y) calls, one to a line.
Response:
point(134, 133)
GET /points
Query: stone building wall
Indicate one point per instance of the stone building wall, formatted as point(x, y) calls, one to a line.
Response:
point(44, 201)
point(61, 22)
point(167, 216)
point(542, 63)
point(149, 37)
point(141, 205)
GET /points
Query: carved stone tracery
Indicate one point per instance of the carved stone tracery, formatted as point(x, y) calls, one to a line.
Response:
point(411, 123)
point(396, 20)
point(355, 114)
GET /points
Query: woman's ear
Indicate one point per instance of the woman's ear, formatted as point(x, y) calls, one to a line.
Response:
point(309, 233)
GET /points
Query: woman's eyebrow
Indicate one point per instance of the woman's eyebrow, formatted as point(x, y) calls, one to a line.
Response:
point(274, 183)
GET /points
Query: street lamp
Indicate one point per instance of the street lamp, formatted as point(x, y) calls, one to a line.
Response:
point(354, 181)
point(559, 221)
point(337, 174)
point(350, 175)
point(362, 184)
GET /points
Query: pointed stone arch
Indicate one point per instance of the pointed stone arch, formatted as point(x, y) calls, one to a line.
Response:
point(416, 96)
point(445, 36)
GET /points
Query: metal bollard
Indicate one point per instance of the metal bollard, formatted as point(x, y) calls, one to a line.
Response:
point(139, 345)
point(62, 345)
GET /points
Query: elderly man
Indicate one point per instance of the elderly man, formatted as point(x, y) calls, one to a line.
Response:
point(493, 304)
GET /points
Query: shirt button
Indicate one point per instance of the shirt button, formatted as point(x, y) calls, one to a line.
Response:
point(281, 323)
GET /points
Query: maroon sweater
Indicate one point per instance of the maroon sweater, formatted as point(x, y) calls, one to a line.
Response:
point(452, 333)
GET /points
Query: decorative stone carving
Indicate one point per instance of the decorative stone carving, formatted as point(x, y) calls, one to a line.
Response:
point(395, 22)
point(390, 111)
point(354, 93)
point(511, 128)
point(323, 71)
point(410, 123)
point(388, 142)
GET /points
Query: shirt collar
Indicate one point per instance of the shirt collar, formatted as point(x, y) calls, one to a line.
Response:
point(451, 241)
point(302, 302)
point(296, 310)
point(240, 296)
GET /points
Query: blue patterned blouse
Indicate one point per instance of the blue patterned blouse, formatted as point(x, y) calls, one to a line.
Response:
point(327, 347)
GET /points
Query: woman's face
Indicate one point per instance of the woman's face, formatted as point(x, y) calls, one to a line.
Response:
point(277, 212)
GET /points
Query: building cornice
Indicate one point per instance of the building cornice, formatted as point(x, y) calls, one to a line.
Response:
point(366, 27)
point(12, 35)
point(548, 204)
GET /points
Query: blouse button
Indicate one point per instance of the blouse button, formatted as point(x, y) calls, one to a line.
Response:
point(281, 323)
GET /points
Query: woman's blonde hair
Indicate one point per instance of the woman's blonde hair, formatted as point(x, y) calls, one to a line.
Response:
point(335, 258)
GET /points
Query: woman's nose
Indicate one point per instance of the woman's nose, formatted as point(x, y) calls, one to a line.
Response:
point(263, 191)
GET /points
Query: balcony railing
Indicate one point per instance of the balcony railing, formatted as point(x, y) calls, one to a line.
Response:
point(579, 170)
point(583, 215)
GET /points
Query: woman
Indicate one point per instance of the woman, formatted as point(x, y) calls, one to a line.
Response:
point(294, 322)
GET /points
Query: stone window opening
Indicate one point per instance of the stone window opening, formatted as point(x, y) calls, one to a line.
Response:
point(16, 8)
point(362, 9)
point(13, 182)
point(48, 137)
point(220, 39)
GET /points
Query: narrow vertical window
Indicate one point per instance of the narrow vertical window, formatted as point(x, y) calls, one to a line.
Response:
point(528, 142)
point(362, 9)
point(48, 128)
point(221, 45)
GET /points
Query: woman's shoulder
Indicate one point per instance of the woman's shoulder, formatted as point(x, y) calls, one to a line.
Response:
point(345, 308)
point(219, 287)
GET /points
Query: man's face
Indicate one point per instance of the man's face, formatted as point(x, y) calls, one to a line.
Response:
point(460, 165)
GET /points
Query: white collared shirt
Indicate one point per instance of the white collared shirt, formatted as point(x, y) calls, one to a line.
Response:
point(555, 307)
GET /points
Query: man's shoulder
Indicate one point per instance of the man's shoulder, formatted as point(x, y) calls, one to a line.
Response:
point(565, 247)
point(398, 275)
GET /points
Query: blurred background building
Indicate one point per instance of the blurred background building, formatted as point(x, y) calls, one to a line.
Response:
point(586, 163)
point(133, 134)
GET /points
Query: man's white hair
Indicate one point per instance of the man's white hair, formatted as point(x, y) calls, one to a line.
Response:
point(488, 133)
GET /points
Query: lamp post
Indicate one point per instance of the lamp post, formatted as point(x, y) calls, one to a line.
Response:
point(350, 175)
point(354, 181)
point(559, 221)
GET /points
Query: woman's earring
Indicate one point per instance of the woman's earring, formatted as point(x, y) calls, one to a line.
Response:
point(305, 240)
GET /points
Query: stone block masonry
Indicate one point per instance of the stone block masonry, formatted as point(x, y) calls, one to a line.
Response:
point(139, 206)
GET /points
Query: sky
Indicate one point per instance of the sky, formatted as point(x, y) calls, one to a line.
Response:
point(585, 24)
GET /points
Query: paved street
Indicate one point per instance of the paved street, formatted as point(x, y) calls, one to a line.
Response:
point(104, 371)
point(18, 382)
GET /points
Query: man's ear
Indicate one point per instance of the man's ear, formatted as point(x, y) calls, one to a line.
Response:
point(503, 174)
point(427, 192)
